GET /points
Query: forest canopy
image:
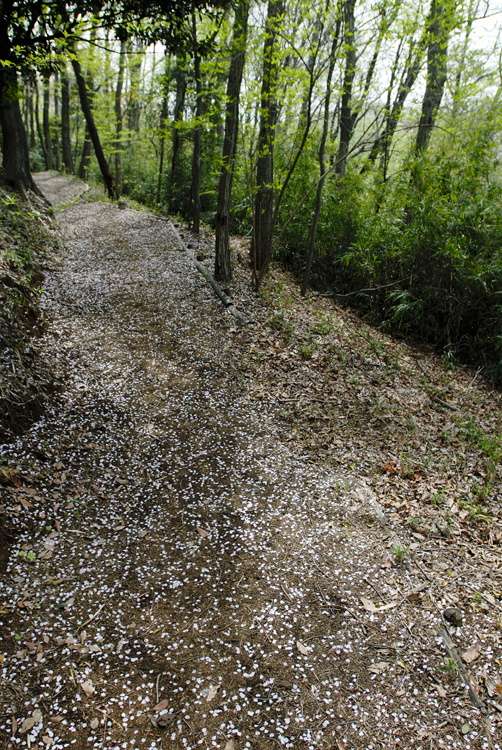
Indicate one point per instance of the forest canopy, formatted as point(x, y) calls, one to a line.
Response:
point(356, 142)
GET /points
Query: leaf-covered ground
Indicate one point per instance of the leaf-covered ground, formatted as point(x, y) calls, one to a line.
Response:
point(243, 537)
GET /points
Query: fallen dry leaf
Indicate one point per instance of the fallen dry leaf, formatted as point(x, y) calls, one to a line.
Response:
point(302, 649)
point(213, 689)
point(47, 740)
point(95, 723)
point(88, 687)
point(56, 719)
point(161, 706)
point(30, 722)
point(371, 607)
point(470, 655)
point(379, 667)
point(440, 691)
point(230, 745)
point(203, 533)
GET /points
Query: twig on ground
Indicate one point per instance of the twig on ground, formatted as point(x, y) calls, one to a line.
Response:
point(453, 654)
point(91, 618)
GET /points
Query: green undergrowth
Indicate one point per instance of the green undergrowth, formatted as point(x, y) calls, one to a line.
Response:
point(25, 240)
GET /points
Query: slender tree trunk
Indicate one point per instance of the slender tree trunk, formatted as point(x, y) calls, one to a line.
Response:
point(58, 124)
point(134, 97)
point(15, 151)
point(49, 156)
point(176, 168)
point(119, 118)
point(322, 165)
point(222, 267)
point(93, 131)
point(65, 123)
point(261, 245)
point(346, 120)
point(195, 189)
point(438, 32)
point(438, 29)
point(31, 120)
point(163, 126)
point(39, 127)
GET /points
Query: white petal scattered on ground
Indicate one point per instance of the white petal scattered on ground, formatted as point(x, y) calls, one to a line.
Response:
point(152, 430)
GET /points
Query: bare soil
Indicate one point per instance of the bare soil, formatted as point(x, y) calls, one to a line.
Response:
point(235, 537)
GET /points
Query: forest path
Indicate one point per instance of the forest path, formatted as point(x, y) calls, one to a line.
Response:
point(175, 551)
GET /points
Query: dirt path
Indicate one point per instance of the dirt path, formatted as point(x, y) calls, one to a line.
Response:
point(174, 551)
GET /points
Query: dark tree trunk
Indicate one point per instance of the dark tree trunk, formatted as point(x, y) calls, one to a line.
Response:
point(49, 157)
point(195, 189)
point(436, 72)
point(179, 106)
point(438, 30)
point(31, 119)
point(119, 119)
point(346, 119)
point(261, 245)
point(15, 152)
point(39, 127)
point(222, 267)
point(57, 149)
point(163, 126)
point(65, 123)
point(322, 165)
point(93, 131)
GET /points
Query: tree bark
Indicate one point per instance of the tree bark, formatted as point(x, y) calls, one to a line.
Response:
point(346, 119)
point(261, 245)
point(134, 97)
point(65, 123)
point(31, 119)
point(195, 189)
point(119, 118)
point(222, 266)
point(179, 106)
point(163, 126)
point(93, 131)
point(57, 149)
point(438, 30)
point(49, 156)
point(15, 151)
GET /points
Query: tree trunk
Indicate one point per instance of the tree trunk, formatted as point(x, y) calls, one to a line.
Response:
point(39, 127)
point(15, 152)
point(31, 119)
point(119, 118)
point(57, 150)
point(322, 165)
point(438, 30)
point(163, 126)
point(195, 189)
point(346, 119)
point(179, 106)
point(49, 157)
point(261, 245)
point(134, 96)
point(222, 267)
point(93, 131)
point(65, 123)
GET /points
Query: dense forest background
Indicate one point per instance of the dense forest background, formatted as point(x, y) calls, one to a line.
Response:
point(356, 142)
